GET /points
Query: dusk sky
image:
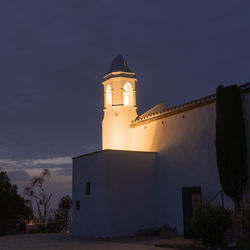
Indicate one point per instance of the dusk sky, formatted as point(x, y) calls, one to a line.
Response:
point(54, 55)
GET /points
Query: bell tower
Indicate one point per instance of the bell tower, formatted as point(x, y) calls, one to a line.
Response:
point(119, 105)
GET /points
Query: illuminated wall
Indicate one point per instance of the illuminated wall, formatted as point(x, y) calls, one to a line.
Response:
point(176, 130)
point(186, 157)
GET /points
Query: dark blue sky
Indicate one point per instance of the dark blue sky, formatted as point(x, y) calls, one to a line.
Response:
point(54, 55)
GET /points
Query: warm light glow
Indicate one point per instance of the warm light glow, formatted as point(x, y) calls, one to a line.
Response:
point(127, 94)
point(115, 127)
point(119, 110)
point(108, 96)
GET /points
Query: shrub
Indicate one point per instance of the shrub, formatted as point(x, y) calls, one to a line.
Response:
point(245, 221)
point(211, 224)
point(53, 227)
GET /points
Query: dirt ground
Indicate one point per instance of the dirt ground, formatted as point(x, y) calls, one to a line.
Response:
point(68, 242)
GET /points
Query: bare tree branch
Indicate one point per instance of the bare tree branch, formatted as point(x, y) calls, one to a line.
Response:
point(37, 192)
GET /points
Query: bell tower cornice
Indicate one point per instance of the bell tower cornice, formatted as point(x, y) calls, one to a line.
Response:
point(119, 74)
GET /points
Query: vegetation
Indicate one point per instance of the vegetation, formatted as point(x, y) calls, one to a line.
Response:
point(61, 220)
point(13, 208)
point(211, 224)
point(245, 221)
point(36, 191)
point(231, 143)
point(63, 213)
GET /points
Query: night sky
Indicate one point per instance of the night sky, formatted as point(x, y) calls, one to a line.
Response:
point(54, 55)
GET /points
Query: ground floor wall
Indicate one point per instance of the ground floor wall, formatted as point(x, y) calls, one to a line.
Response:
point(90, 210)
point(131, 192)
point(121, 200)
point(173, 176)
point(188, 159)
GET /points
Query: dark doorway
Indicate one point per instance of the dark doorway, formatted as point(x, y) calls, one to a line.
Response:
point(191, 197)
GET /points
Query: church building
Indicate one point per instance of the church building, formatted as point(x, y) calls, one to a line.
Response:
point(153, 168)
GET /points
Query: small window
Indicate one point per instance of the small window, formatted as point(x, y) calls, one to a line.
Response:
point(77, 205)
point(88, 188)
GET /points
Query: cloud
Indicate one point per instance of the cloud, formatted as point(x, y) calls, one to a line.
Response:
point(35, 163)
point(52, 161)
point(63, 172)
point(18, 176)
point(7, 163)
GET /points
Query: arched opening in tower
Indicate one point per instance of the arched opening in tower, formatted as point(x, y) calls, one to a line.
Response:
point(127, 94)
point(108, 96)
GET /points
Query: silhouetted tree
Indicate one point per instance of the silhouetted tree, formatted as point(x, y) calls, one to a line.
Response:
point(13, 208)
point(63, 212)
point(231, 143)
point(36, 191)
point(61, 219)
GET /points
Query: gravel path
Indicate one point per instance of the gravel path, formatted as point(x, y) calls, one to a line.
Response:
point(68, 242)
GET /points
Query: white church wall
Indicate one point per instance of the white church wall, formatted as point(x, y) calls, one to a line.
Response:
point(91, 220)
point(131, 191)
point(122, 193)
point(186, 157)
point(115, 127)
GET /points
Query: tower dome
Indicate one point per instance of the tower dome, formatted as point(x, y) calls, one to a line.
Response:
point(119, 64)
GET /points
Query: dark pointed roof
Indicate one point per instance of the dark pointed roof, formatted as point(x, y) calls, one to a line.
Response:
point(119, 64)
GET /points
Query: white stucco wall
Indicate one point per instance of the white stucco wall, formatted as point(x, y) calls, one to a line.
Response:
point(115, 127)
point(122, 193)
point(131, 192)
point(92, 218)
point(187, 158)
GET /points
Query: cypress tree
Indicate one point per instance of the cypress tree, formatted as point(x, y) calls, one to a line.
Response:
point(231, 146)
